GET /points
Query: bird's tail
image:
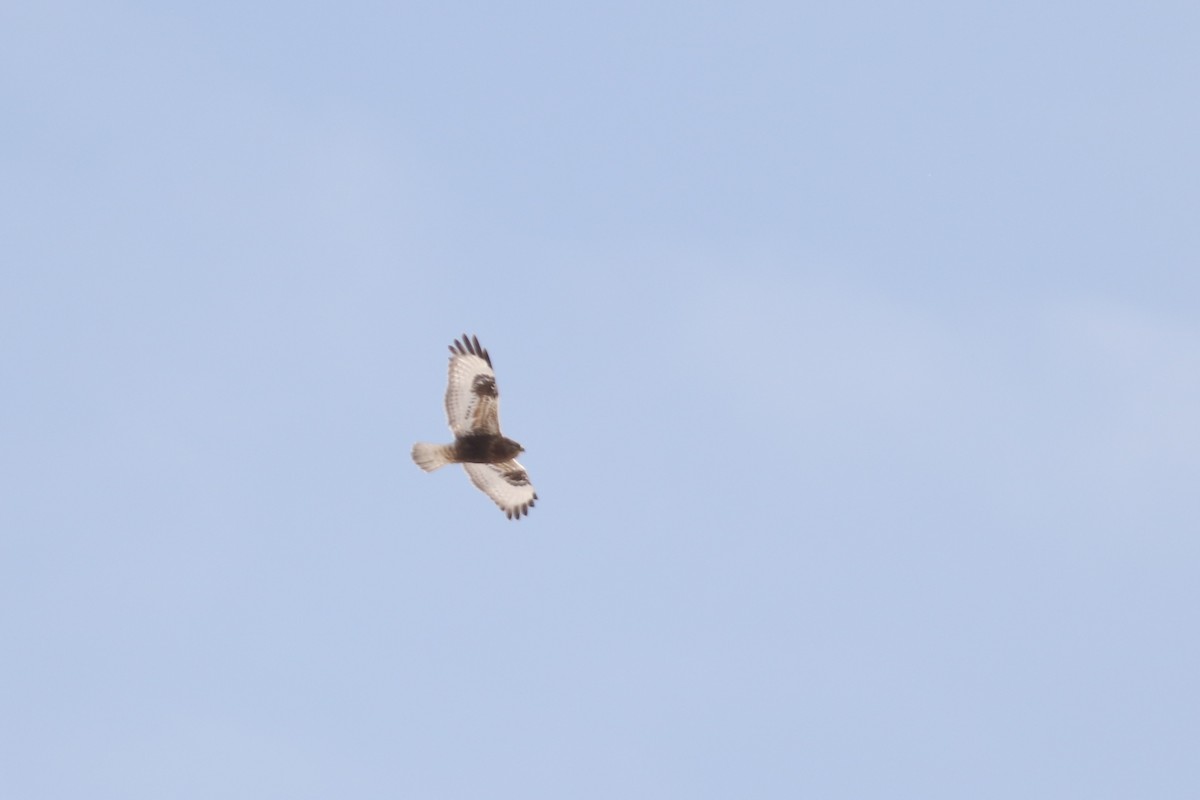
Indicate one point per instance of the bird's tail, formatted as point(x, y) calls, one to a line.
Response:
point(431, 456)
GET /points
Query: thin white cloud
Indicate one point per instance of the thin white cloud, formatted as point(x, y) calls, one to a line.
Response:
point(1075, 404)
point(1134, 376)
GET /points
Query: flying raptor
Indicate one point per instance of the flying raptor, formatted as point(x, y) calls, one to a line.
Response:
point(473, 408)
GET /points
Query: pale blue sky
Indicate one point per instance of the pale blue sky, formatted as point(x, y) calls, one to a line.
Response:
point(855, 348)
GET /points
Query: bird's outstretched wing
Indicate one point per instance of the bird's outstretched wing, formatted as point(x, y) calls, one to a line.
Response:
point(472, 399)
point(507, 484)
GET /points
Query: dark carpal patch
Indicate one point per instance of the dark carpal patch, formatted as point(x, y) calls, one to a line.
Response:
point(484, 386)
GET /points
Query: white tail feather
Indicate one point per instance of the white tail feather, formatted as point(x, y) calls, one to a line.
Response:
point(431, 456)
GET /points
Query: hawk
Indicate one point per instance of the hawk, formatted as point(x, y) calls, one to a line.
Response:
point(473, 408)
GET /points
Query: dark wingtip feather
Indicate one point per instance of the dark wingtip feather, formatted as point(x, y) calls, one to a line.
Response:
point(479, 351)
point(469, 346)
point(516, 513)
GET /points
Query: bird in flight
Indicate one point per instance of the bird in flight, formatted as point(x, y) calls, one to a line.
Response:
point(473, 408)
